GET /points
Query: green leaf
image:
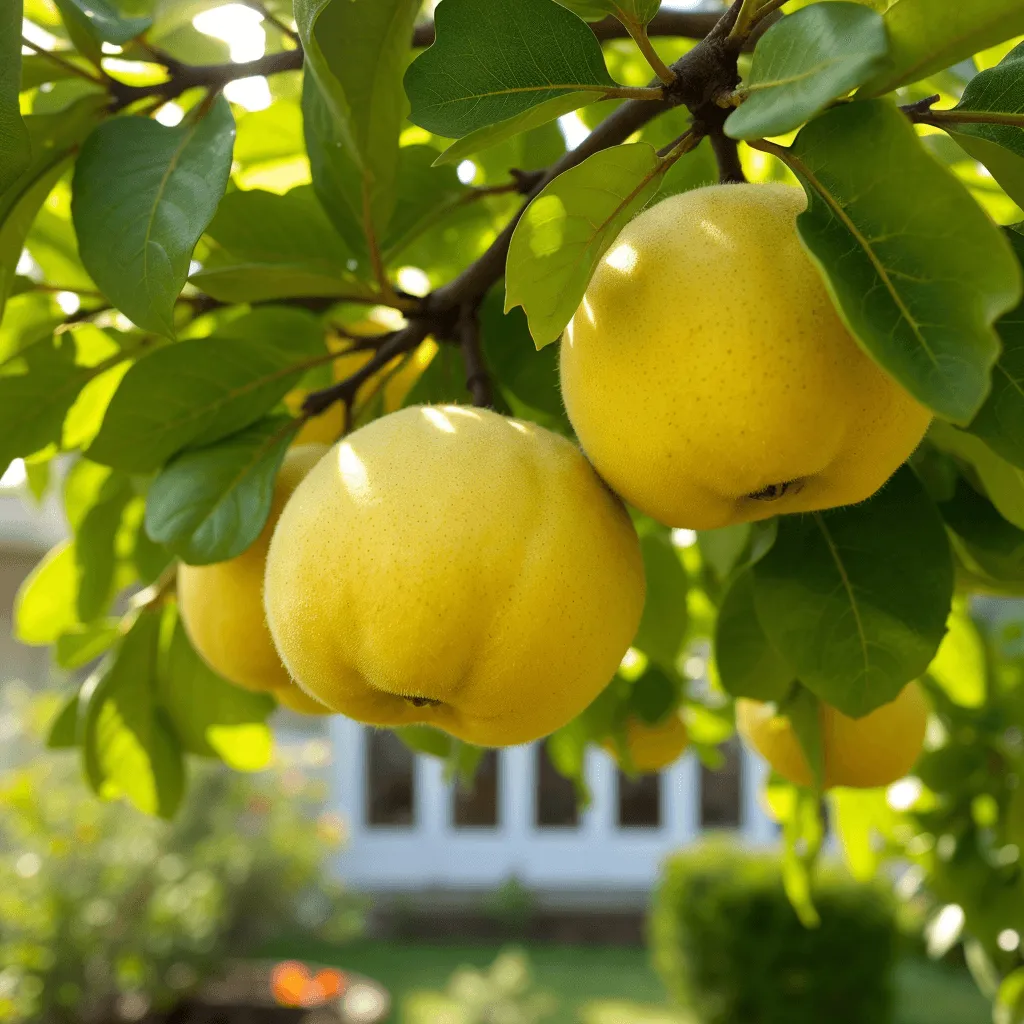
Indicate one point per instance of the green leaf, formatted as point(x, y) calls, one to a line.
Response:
point(926, 36)
point(86, 644)
point(748, 665)
point(803, 709)
point(15, 147)
point(197, 392)
point(275, 246)
point(805, 61)
point(919, 292)
point(859, 816)
point(210, 504)
point(492, 134)
point(960, 667)
point(993, 543)
point(211, 717)
point(1000, 421)
point(424, 194)
point(63, 734)
point(1009, 1004)
point(46, 604)
point(33, 403)
point(128, 747)
point(999, 147)
point(627, 11)
point(1003, 482)
point(654, 695)
point(95, 553)
point(722, 548)
point(54, 138)
point(103, 21)
point(663, 624)
point(803, 833)
point(856, 598)
point(356, 50)
point(141, 197)
point(491, 62)
point(567, 228)
point(422, 739)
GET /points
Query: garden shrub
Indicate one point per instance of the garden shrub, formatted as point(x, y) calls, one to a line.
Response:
point(107, 914)
point(729, 946)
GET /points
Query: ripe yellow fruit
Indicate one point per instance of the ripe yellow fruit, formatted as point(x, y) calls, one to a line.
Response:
point(221, 605)
point(875, 750)
point(448, 566)
point(294, 699)
point(709, 377)
point(652, 747)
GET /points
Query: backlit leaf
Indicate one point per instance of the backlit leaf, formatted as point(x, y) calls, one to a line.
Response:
point(15, 148)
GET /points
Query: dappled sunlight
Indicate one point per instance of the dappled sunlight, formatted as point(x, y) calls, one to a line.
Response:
point(353, 473)
point(623, 257)
point(548, 217)
point(439, 420)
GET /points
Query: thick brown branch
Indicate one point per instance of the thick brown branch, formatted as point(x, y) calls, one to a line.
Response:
point(478, 380)
point(727, 156)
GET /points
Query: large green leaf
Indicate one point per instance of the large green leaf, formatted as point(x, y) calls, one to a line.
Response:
point(492, 134)
point(142, 196)
point(196, 392)
point(748, 665)
point(15, 148)
point(926, 36)
point(273, 246)
point(1003, 481)
point(663, 625)
point(357, 52)
point(1000, 147)
point(803, 63)
point(85, 644)
point(211, 717)
point(1000, 422)
point(918, 290)
point(856, 599)
point(567, 228)
point(54, 138)
point(128, 747)
point(491, 62)
point(46, 604)
point(209, 504)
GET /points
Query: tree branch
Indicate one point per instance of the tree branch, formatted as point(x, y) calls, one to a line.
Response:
point(727, 156)
point(478, 380)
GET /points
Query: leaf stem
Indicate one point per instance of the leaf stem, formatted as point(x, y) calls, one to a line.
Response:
point(744, 21)
point(61, 62)
point(768, 7)
point(628, 92)
point(943, 117)
point(640, 37)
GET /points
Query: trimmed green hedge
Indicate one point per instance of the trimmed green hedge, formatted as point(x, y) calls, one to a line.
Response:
point(730, 948)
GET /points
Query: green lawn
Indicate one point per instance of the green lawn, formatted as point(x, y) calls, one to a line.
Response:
point(609, 978)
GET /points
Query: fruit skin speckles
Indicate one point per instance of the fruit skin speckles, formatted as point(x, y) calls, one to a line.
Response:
point(700, 434)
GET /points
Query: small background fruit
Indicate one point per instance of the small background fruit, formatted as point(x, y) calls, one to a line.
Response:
point(449, 566)
point(652, 747)
point(222, 604)
point(875, 750)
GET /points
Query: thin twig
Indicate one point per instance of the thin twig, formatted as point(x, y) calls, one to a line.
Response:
point(744, 21)
point(943, 117)
point(768, 7)
point(261, 8)
point(478, 380)
point(55, 58)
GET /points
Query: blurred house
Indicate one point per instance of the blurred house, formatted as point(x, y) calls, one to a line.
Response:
point(409, 830)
